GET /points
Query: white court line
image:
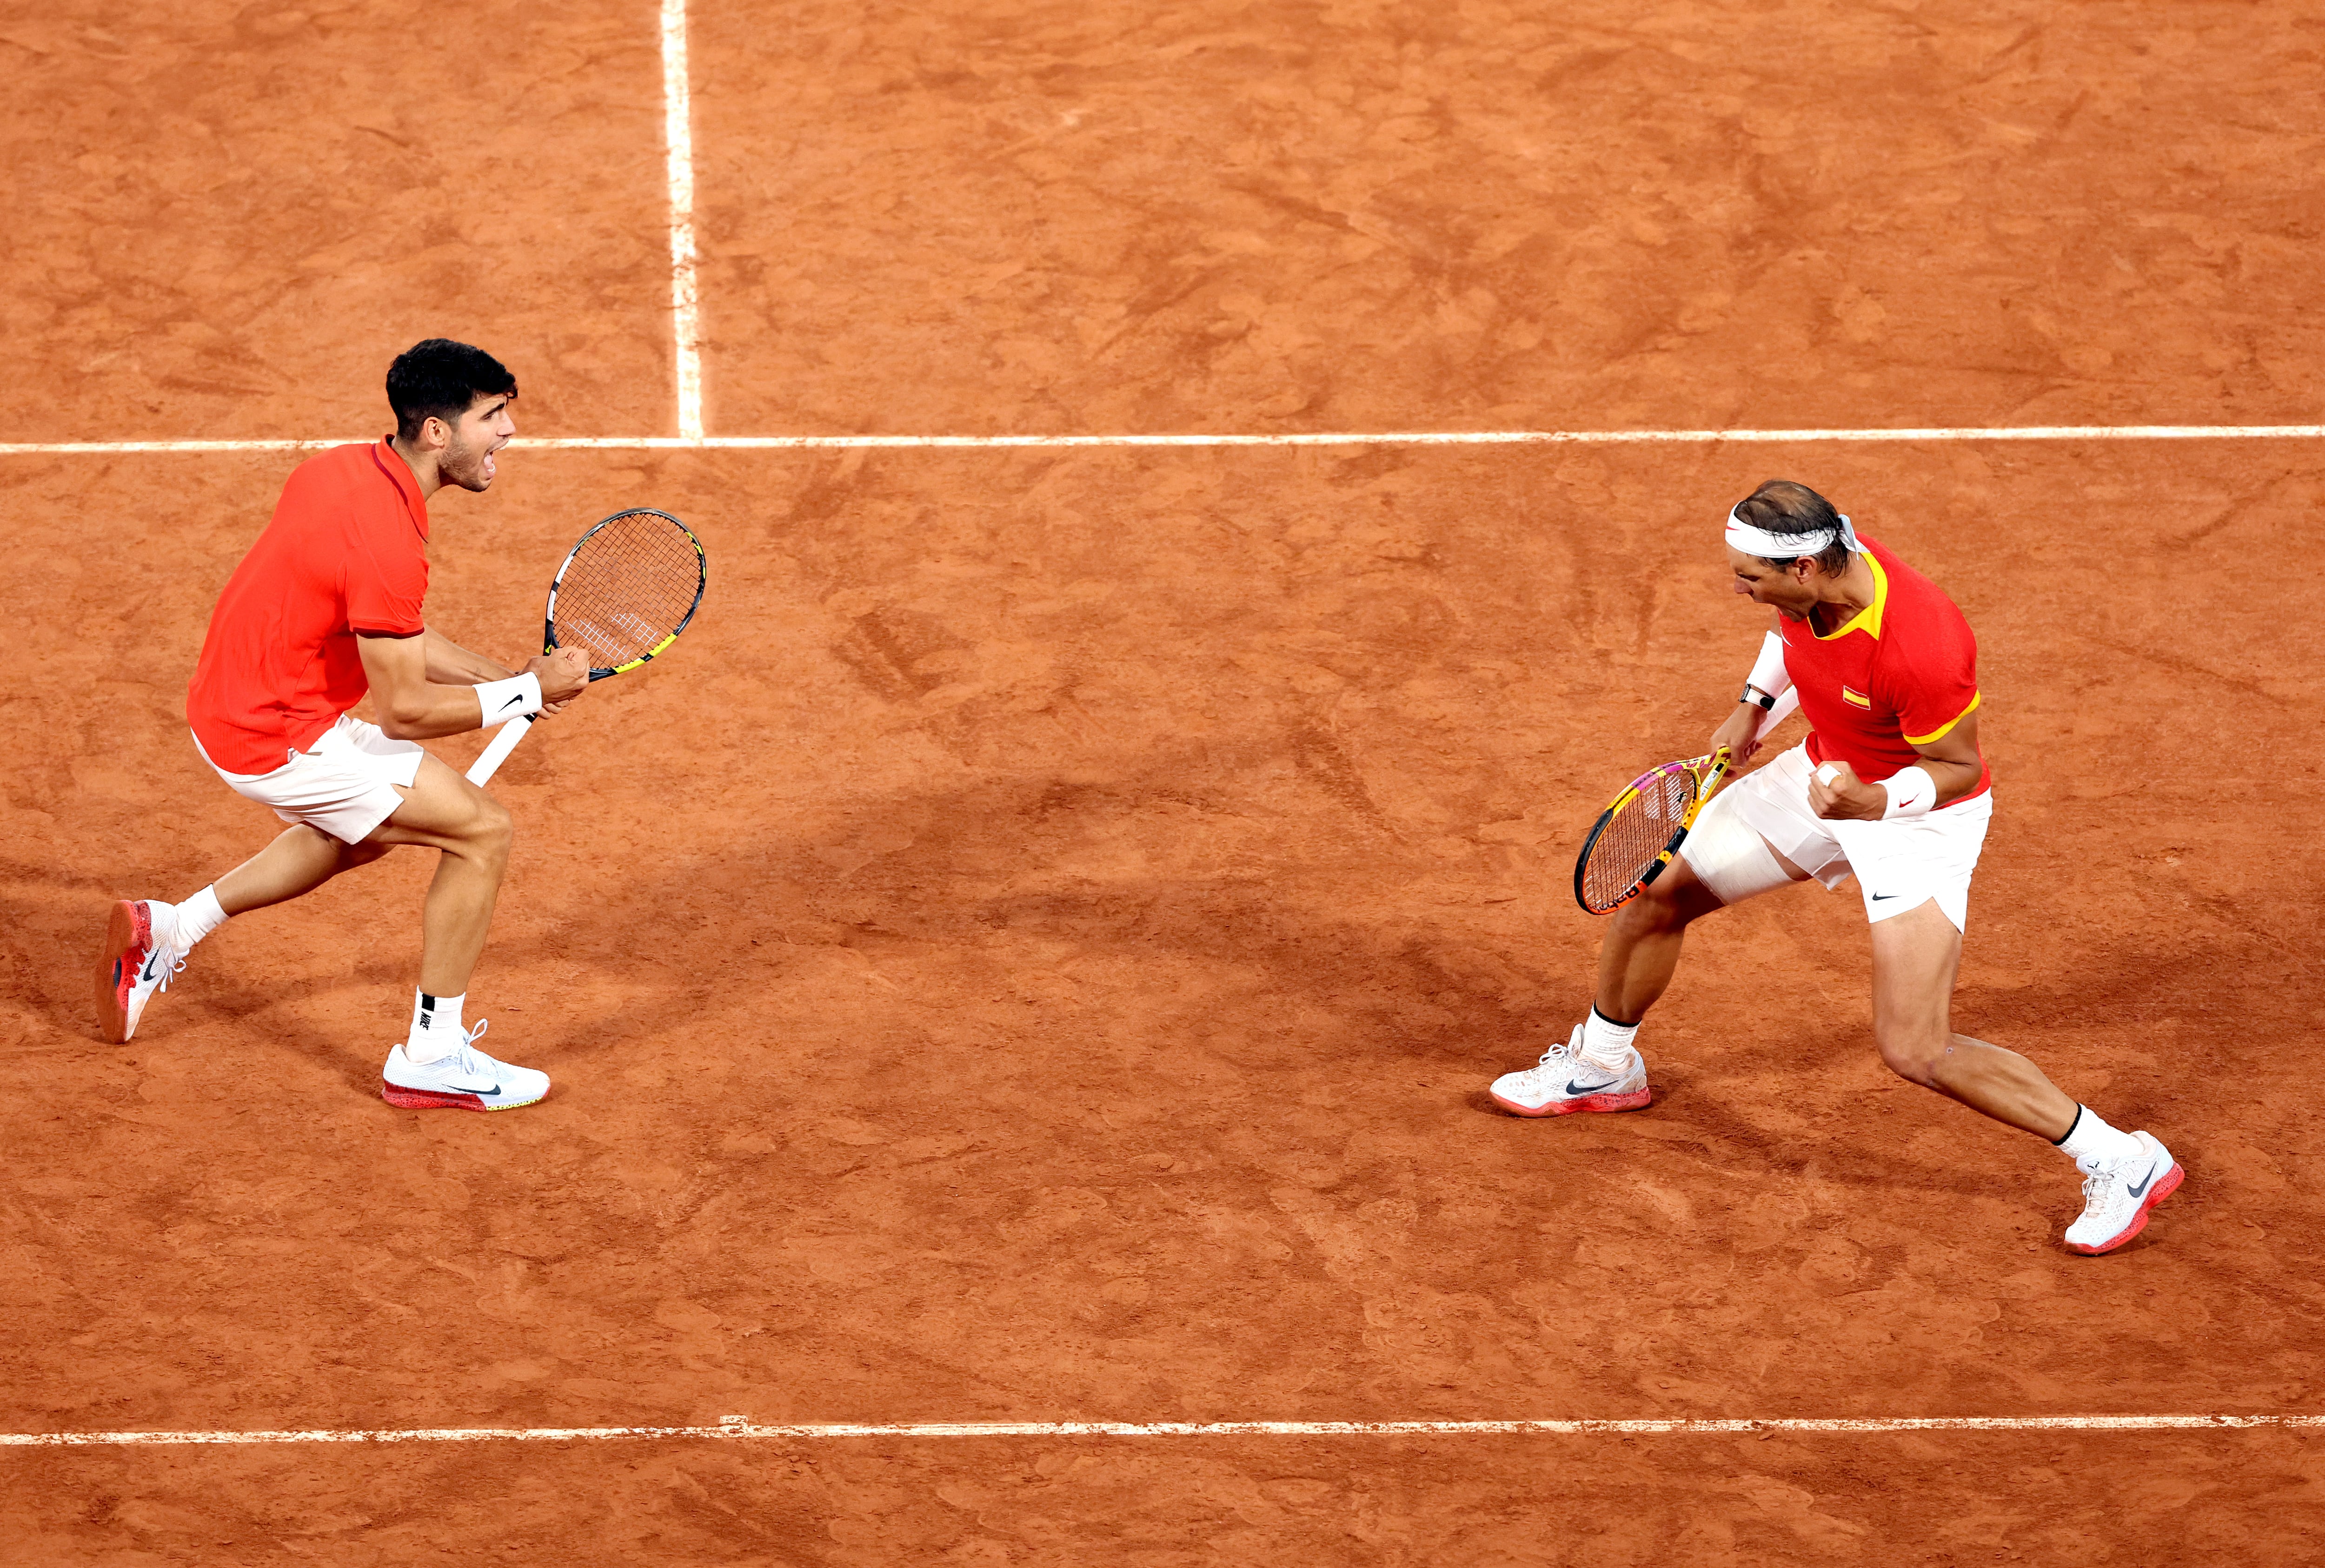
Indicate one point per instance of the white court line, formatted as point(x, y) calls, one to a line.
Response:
point(689, 356)
point(685, 303)
point(737, 1426)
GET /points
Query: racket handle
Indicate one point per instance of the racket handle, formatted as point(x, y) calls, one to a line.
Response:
point(489, 760)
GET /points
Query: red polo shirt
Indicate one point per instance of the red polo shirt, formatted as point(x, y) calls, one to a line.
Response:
point(345, 553)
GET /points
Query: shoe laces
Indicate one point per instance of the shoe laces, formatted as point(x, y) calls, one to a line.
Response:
point(1565, 1060)
point(1562, 1057)
point(465, 1057)
point(472, 1060)
point(174, 965)
point(2108, 1176)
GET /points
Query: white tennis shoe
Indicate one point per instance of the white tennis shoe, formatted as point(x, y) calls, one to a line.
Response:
point(138, 960)
point(1563, 1082)
point(466, 1080)
point(2118, 1196)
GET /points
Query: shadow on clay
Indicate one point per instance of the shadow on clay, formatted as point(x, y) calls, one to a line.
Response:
point(1427, 994)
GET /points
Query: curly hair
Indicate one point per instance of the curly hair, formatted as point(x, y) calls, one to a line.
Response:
point(439, 379)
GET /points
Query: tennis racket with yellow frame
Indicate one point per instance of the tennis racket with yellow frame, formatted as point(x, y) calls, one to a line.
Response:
point(1642, 828)
point(624, 593)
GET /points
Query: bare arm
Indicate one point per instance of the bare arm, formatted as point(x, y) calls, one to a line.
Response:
point(1747, 727)
point(1741, 733)
point(449, 664)
point(414, 705)
point(1950, 760)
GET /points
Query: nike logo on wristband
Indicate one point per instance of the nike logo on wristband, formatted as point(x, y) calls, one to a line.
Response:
point(516, 701)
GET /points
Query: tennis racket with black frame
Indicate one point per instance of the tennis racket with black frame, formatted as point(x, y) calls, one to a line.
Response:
point(624, 593)
point(1642, 828)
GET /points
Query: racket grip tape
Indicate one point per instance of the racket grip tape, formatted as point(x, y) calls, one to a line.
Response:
point(489, 760)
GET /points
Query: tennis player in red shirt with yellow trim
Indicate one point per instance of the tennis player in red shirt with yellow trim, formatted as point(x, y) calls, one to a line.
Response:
point(1889, 787)
point(325, 609)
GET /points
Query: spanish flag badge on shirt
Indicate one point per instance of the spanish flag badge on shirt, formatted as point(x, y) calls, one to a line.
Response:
point(1850, 694)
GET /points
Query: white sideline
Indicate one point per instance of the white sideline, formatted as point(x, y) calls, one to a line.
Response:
point(691, 409)
point(737, 1426)
point(678, 134)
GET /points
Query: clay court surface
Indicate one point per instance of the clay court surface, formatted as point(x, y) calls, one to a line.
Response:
point(1035, 951)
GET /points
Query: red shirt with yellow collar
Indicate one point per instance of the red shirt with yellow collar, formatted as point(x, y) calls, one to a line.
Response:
point(1902, 672)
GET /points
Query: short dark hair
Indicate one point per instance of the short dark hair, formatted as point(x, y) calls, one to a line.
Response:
point(1782, 507)
point(441, 379)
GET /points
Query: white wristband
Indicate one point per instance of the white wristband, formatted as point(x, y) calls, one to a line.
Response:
point(517, 697)
point(1768, 671)
point(1912, 793)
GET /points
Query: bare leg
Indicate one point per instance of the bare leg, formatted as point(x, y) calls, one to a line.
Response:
point(299, 859)
point(443, 810)
point(1915, 956)
point(1641, 951)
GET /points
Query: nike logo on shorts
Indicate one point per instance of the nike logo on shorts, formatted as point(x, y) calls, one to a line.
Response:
point(1878, 896)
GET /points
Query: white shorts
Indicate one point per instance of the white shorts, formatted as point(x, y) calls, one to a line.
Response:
point(1899, 865)
point(341, 785)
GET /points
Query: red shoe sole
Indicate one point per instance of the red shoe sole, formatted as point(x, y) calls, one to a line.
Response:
point(2165, 1186)
point(430, 1099)
point(128, 932)
point(1632, 1102)
point(427, 1098)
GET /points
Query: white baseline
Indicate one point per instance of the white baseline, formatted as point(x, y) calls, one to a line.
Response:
point(737, 1426)
point(690, 400)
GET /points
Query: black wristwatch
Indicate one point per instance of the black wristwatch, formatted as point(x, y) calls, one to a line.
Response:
point(1753, 694)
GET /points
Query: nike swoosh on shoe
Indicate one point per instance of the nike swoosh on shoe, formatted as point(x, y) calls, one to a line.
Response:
point(451, 1087)
point(2143, 1180)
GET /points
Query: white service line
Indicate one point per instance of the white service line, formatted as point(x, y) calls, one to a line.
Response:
point(690, 379)
point(737, 1426)
point(685, 302)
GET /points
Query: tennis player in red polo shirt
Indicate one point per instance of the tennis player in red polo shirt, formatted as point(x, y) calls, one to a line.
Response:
point(327, 607)
point(1889, 787)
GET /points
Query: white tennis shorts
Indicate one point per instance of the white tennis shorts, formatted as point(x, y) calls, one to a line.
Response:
point(341, 785)
point(1899, 865)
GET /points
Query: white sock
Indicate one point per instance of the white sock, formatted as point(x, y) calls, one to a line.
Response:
point(197, 917)
point(2091, 1142)
point(1604, 1042)
point(436, 1028)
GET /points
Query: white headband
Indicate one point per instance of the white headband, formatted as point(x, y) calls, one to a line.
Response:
point(1784, 547)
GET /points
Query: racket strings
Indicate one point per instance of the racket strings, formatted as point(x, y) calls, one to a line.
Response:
point(1634, 835)
point(628, 588)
